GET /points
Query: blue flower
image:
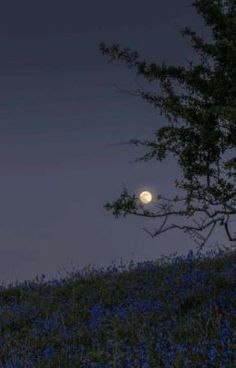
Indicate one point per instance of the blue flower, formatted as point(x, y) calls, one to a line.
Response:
point(48, 352)
point(212, 353)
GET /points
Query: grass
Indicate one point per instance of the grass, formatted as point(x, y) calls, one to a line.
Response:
point(174, 312)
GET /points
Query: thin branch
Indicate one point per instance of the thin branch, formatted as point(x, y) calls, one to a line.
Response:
point(187, 228)
point(227, 230)
point(160, 226)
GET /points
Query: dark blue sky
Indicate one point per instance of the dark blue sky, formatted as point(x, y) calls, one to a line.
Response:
point(60, 116)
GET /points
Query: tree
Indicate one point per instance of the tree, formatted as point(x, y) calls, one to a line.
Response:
point(201, 96)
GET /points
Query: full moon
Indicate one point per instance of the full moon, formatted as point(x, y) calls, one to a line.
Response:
point(145, 197)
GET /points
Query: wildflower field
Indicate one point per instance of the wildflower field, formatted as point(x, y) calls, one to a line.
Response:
point(174, 312)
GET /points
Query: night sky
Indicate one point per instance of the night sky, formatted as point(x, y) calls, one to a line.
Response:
point(61, 119)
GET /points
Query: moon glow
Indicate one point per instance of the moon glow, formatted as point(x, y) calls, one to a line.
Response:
point(145, 197)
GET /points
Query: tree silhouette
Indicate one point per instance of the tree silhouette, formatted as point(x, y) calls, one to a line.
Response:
point(201, 96)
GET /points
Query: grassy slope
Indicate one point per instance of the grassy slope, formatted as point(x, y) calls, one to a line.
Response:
point(172, 313)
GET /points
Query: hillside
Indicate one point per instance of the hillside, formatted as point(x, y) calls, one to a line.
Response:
point(174, 312)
